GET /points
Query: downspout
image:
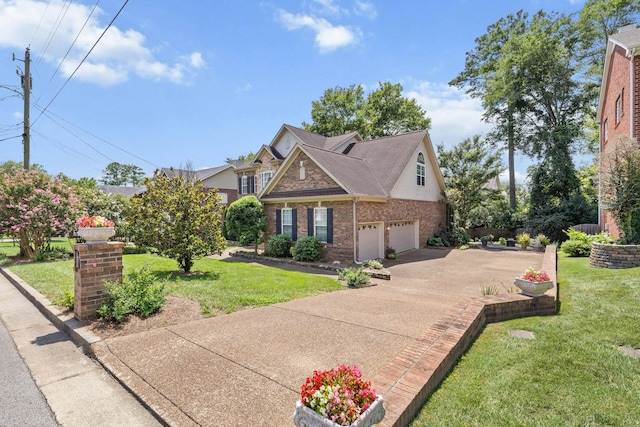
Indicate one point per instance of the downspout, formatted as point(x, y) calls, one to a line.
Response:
point(631, 94)
point(355, 231)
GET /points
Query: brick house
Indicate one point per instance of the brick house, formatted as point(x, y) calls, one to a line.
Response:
point(360, 197)
point(619, 104)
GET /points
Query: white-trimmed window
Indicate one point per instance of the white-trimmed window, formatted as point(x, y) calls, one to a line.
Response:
point(421, 170)
point(618, 109)
point(245, 184)
point(320, 223)
point(606, 130)
point(266, 177)
point(287, 222)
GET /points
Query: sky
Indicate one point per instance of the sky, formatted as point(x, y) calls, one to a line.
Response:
point(171, 82)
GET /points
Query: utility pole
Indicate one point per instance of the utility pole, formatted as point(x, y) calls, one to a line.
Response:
point(26, 91)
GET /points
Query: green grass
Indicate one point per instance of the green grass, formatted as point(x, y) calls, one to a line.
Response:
point(571, 374)
point(222, 285)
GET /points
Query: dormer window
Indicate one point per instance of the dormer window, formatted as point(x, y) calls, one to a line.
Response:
point(421, 170)
point(266, 177)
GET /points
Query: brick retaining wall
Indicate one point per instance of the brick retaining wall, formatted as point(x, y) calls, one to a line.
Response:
point(614, 256)
point(408, 381)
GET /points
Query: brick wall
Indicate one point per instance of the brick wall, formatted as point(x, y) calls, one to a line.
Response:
point(614, 256)
point(617, 83)
point(431, 216)
point(95, 264)
point(342, 246)
point(315, 178)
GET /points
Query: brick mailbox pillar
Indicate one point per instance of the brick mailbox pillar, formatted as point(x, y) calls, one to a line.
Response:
point(95, 264)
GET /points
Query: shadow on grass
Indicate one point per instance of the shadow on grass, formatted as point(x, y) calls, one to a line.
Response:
point(188, 277)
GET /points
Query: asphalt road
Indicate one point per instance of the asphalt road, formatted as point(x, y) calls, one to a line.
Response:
point(21, 402)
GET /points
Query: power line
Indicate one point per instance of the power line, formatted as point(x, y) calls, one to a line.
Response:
point(54, 30)
point(70, 47)
point(82, 62)
point(49, 114)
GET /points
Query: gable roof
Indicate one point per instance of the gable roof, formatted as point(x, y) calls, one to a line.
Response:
point(628, 38)
point(314, 140)
point(367, 169)
point(200, 174)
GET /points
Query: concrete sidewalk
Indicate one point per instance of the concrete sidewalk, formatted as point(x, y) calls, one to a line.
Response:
point(76, 388)
point(246, 368)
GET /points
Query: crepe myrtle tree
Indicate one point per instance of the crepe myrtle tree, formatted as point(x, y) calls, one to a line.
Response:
point(178, 217)
point(620, 186)
point(245, 219)
point(35, 207)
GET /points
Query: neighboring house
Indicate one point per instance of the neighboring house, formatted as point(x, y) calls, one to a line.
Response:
point(221, 178)
point(360, 197)
point(127, 192)
point(619, 104)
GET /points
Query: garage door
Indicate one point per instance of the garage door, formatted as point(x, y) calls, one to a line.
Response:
point(369, 237)
point(402, 235)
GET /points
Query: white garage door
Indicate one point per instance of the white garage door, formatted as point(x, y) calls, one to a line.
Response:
point(402, 235)
point(369, 237)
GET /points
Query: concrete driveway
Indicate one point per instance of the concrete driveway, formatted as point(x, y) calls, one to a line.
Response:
point(246, 368)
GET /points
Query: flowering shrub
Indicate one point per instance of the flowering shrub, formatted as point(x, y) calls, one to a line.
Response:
point(34, 207)
point(338, 394)
point(88, 221)
point(532, 275)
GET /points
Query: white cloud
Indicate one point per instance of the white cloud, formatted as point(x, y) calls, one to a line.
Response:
point(328, 7)
point(328, 37)
point(364, 8)
point(454, 114)
point(117, 55)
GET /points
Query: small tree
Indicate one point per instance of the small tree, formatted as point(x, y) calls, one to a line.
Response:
point(245, 219)
point(179, 218)
point(35, 207)
point(467, 169)
point(620, 186)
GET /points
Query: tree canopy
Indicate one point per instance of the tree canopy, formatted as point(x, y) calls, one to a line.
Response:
point(178, 217)
point(34, 207)
point(245, 220)
point(120, 174)
point(468, 168)
point(384, 112)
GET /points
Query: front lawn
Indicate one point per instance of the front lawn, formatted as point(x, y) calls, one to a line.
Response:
point(222, 285)
point(573, 373)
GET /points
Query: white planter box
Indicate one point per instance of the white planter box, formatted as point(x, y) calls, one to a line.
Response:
point(533, 289)
point(307, 417)
point(96, 234)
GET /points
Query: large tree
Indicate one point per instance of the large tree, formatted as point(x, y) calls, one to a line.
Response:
point(35, 207)
point(120, 174)
point(384, 112)
point(179, 217)
point(468, 168)
point(485, 77)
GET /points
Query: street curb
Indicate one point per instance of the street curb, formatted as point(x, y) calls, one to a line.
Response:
point(63, 320)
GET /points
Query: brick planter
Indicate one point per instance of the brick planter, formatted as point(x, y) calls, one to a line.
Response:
point(614, 256)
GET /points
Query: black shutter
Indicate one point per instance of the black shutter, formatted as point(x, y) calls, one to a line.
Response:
point(294, 224)
point(251, 189)
point(278, 221)
point(239, 185)
point(330, 225)
point(310, 221)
